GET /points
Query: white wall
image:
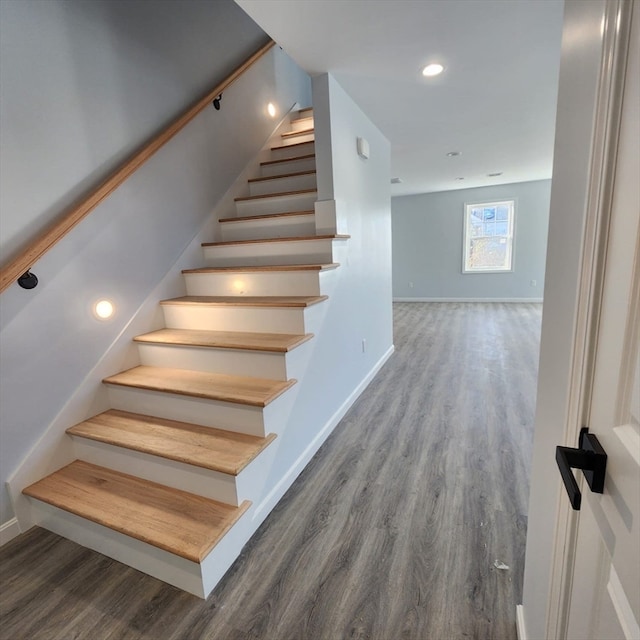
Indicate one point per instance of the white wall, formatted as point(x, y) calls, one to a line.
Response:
point(427, 244)
point(110, 63)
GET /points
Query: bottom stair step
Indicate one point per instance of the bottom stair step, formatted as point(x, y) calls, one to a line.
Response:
point(181, 523)
point(206, 447)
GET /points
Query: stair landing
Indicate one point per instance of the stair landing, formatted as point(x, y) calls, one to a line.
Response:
point(181, 523)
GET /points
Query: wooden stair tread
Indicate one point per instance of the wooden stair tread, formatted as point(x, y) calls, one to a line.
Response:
point(227, 243)
point(268, 216)
point(181, 523)
point(275, 195)
point(301, 132)
point(300, 118)
point(275, 342)
point(206, 447)
point(305, 109)
point(248, 301)
point(292, 146)
point(266, 267)
point(281, 160)
point(284, 175)
point(257, 392)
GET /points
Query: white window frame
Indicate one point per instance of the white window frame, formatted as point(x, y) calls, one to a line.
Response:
point(466, 240)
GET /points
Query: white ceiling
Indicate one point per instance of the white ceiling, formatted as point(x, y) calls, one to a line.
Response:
point(495, 101)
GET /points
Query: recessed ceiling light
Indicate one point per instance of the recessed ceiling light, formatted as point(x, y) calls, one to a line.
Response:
point(396, 180)
point(271, 109)
point(433, 69)
point(494, 175)
point(452, 154)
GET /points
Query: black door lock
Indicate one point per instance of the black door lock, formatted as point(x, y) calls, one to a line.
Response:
point(590, 457)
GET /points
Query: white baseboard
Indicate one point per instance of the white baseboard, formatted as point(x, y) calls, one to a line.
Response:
point(467, 299)
point(520, 628)
point(296, 468)
point(9, 530)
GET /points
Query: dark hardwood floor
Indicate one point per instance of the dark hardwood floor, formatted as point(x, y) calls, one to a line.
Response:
point(397, 529)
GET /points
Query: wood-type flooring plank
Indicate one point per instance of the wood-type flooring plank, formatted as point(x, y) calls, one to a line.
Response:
point(390, 533)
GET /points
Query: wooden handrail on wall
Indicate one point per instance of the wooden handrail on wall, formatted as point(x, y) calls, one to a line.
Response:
point(23, 262)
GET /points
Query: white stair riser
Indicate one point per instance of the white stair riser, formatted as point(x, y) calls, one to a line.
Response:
point(241, 418)
point(160, 564)
point(290, 166)
point(240, 362)
point(208, 413)
point(203, 482)
point(285, 227)
point(268, 283)
point(282, 184)
point(271, 253)
point(229, 318)
point(276, 204)
point(299, 137)
point(300, 123)
point(234, 362)
point(279, 153)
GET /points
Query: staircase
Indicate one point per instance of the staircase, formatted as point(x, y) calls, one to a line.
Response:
point(165, 480)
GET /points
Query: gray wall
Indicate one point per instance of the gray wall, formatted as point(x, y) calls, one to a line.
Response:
point(427, 244)
point(85, 83)
point(82, 84)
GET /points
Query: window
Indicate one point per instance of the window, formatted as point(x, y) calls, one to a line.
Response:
point(488, 237)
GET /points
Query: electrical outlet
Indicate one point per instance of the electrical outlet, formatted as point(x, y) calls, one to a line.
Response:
point(364, 345)
point(411, 285)
point(533, 283)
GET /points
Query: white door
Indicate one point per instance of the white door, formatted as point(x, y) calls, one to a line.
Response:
point(604, 600)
